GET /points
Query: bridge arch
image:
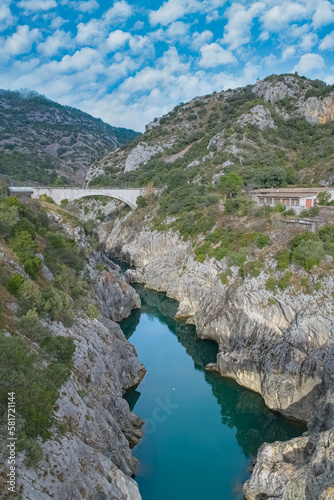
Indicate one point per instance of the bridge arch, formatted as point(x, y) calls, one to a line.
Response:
point(128, 195)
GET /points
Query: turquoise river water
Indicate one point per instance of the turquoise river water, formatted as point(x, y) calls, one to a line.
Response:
point(201, 430)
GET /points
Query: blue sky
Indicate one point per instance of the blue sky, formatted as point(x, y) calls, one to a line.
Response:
point(128, 61)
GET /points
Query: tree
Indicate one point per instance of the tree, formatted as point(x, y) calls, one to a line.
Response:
point(141, 202)
point(8, 217)
point(32, 266)
point(30, 295)
point(14, 283)
point(270, 177)
point(92, 311)
point(324, 198)
point(231, 184)
point(24, 246)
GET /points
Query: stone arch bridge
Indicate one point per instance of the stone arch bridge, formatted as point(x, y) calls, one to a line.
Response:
point(128, 195)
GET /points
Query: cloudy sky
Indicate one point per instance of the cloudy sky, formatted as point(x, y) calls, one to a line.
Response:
point(129, 61)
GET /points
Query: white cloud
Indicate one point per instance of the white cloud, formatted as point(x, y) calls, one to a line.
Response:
point(279, 16)
point(58, 40)
point(58, 22)
point(95, 30)
point(308, 41)
point(120, 11)
point(6, 17)
point(328, 42)
point(324, 14)
point(212, 16)
point(308, 63)
point(172, 10)
point(80, 60)
point(139, 25)
point(21, 41)
point(200, 39)
point(214, 55)
point(240, 20)
point(167, 67)
point(117, 39)
point(37, 5)
point(142, 46)
point(89, 32)
point(87, 6)
point(288, 53)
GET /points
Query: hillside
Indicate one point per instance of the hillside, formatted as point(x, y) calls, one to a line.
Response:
point(42, 140)
point(276, 132)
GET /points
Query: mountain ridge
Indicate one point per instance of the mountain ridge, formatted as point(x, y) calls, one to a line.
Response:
point(282, 121)
point(42, 140)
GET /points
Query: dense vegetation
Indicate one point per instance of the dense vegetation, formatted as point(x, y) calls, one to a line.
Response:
point(41, 137)
point(33, 363)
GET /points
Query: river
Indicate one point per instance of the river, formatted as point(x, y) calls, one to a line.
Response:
point(202, 431)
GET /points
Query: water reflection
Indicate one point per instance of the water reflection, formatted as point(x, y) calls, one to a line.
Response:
point(240, 408)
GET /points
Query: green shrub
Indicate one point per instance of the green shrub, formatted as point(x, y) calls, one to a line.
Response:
point(56, 302)
point(291, 212)
point(32, 326)
point(270, 284)
point(47, 199)
point(92, 311)
point(251, 268)
point(224, 279)
point(8, 218)
point(312, 212)
point(271, 301)
point(34, 453)
point(37, 389)
point(308, 253)
point(230, 184)
point(284, 282)
point(200, 257)
point(306, 284)
point(64, 203)
point(307, 235)
point(324, 198)
point(262, 240)
point(30, 296)
point(141, 202)
point(32, 267)
point(283, 260)
point(24, 246)
point(60, 349)
point(25, 225)
point(236, 258)
point(14, 283)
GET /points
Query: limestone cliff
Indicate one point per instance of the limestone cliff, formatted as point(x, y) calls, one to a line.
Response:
point(88, 455)
point(282, 348)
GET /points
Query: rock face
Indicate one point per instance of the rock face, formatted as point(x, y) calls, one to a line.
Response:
point(115, 296)
point(302, 468)
point(283, 350)
point(258, 115)
point(88, 455)
point(93, 459)
point(318, 110)
point(140, 154)
point(274, 91)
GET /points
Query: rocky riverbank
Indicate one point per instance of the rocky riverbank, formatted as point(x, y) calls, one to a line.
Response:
point(88, 455)
point(280, 346)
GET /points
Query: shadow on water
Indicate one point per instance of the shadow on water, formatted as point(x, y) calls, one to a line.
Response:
point(241, 412)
